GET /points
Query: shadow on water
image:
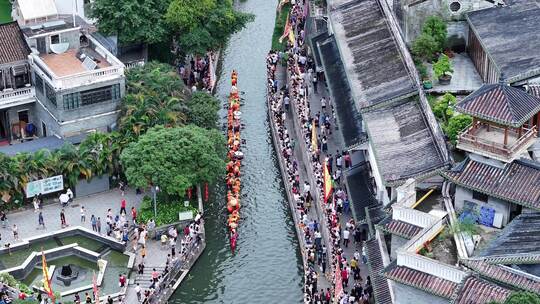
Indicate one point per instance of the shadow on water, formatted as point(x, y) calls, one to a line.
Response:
point(267, 265)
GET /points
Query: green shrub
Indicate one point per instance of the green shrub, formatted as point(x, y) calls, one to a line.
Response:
point(435, 27)
point(457, 124)
point(424, 46)
point(443, 66)
point(167, 213)
point(9, 280)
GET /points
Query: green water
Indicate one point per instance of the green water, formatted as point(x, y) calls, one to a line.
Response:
point(82, 241)
point(116, 265)
point(36, 276)
point(17, 257)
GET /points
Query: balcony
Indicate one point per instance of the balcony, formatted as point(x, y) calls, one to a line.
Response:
point(10, 98)
point(65, 70)
point(489, 140)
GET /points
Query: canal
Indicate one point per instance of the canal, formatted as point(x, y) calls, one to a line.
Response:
point(267, 265)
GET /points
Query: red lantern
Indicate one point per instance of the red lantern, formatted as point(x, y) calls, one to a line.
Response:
point(189, 192)
point(206, 194)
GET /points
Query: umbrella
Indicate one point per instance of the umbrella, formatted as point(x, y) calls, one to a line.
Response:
point(64, 198)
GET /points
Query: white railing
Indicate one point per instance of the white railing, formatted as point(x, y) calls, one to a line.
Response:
point(134, 64)
point(88, 77)
point(412, 216)
point(15, 95)
point(428, 233)
point(78, 79)
point(430, 266)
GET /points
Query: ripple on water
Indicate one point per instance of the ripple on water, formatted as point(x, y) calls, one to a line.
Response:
point(267, 266)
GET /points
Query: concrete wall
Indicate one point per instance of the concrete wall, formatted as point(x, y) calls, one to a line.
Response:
point(381, 192)
point(396, 243)
point(500, 206)
point(414, 16)
point(96, 185)
point(404, 294)
point(66, 123)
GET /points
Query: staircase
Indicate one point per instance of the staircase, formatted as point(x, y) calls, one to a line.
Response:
point(145, 279)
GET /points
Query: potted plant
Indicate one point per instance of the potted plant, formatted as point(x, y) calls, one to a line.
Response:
point(443, 69)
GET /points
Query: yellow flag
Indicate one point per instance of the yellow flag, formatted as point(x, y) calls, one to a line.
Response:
point(291, 36)
point(314, 144)
point(327, 182)
point(46, 280)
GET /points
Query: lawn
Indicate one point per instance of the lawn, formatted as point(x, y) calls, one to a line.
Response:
point(5, 11)
point(281, 20)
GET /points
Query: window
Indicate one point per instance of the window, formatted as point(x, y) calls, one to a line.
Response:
point(50, 94)
point(480, 196)
point(455, 6)
point(39, 83)
point(89, 97)
point(55, 39)
point(72, 101)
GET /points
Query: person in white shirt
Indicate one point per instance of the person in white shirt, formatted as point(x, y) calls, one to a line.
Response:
point(346, 234)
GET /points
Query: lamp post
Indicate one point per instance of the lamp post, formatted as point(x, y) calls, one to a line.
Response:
point(155, 190)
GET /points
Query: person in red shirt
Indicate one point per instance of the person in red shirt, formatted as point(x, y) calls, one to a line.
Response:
point(134, 215)
point(122, 280)
point(123, 206)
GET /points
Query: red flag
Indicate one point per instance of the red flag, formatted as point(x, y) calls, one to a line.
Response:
point(189, 192)
point(338, 283)
point(206, 193)
point(286, 30)
point(327, 182)
point(95, 288)
point(46, 280)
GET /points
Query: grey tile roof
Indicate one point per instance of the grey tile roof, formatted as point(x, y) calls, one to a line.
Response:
point(520, 237)
point(13, 46)
point(373, 63)
point(501, 104)
point(510, 36)
point(381, 289)
point(478, 291)
point(402, 140)
point(421, 280)
point(517, 182)
point(400, 228)
point(504, 275)
point(49, 143)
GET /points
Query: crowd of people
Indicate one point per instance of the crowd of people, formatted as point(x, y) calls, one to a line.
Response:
point(198, 75)
point(292, 98)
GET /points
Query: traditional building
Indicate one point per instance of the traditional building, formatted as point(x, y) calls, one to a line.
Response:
point(16, 91)
point(78, 83)
point(505, 122)
point(504, 41)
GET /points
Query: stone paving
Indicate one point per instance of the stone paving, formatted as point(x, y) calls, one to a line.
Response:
point(27, 220)
point(465, 78)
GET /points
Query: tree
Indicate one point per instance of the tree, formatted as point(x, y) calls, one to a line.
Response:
point(156, 96)
point(443, 109)
point(456, 124)
point(203, 110)
point(443, 66)
point(523, 297)
point(132, 21)
point(424, 46)
point(174, 158)
point(201, 25)
point(435, 27)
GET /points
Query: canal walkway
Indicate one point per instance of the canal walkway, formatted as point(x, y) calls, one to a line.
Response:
point(296, 124)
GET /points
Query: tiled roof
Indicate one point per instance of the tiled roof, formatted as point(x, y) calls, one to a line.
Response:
point(517, 182)
point(421, 280)
point(504, 275)
point(372, 60)
point(403, 142)
point(381, 289)
point(501, 104)
point(509, 34)
point(400, 228)
point(478, 291)
point(518, 240)
point(534, 90)
point(13, 47)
